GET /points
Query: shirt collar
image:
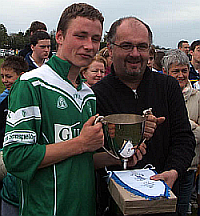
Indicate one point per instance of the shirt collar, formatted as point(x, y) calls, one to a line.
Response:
point(62, 68)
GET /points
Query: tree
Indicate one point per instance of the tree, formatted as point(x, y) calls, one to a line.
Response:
point(16, 41)
point(53, 39)
point(3, 36)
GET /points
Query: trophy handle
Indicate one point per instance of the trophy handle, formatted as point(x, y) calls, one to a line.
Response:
point(102, 120)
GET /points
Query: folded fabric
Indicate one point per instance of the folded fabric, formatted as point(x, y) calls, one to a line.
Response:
point(139, 183)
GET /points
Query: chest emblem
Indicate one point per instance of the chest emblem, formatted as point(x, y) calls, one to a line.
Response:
point(61, 103)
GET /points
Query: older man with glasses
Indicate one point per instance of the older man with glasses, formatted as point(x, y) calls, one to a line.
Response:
point(132, 87)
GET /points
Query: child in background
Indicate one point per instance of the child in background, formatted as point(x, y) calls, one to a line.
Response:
point(11, 69)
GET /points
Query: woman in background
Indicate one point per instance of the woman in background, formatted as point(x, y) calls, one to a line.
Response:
point(95, 71)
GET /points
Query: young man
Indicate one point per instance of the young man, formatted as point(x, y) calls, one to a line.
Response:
point(195, 62)
point(49, 141)
point(184, 46)
point(40, 46)
point(132, 87)
point(35, 26)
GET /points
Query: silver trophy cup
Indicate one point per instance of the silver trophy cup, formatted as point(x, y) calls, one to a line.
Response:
point(123, 132)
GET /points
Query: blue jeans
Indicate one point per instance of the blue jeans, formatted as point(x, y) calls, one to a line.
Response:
point(8, 209)
point(185, 191)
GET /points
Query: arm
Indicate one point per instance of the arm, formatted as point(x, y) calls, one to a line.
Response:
point(26, 147)
point(90, 139)
point(196, 130)
point(169, 177)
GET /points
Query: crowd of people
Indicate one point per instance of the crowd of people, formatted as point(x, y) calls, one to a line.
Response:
point(52, 150)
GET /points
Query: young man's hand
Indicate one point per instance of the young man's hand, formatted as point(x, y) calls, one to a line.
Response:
point(91, 136)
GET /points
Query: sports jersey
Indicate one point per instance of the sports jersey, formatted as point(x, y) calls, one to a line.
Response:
point(193, 75)
point(45, 108)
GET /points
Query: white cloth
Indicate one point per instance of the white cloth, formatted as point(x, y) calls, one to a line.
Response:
point(138, 182)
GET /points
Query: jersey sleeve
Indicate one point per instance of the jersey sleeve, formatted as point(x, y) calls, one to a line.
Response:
point(22, 152)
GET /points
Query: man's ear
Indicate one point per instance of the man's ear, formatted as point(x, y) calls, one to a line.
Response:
point(32, 47)
point(191, 52)
point(59, 37)
point(83, 74)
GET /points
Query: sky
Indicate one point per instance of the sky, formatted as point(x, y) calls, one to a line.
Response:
point(169, 20)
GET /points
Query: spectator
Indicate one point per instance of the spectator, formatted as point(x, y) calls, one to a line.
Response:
point(195, 61)
point(11, 69)
point(132, 87)
point(152, 53)
point(176, 64)
point(196, 85)
point(35, 26)
point(105, 54)
point(40, 45)
point(95, 71)
point(157, 65)
point(184, 46)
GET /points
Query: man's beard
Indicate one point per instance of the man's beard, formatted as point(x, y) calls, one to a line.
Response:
point(132, 72)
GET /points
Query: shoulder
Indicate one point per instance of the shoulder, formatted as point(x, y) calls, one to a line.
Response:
point(108, 80)
point(40, 72)
point(196, 93)
point(31, 79)
point(160, 79)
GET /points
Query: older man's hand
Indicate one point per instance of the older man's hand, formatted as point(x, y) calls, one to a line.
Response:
point(138, 155)
point(169, 177)
point(151, 125)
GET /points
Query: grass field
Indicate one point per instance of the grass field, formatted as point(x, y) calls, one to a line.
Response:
point(1, 85)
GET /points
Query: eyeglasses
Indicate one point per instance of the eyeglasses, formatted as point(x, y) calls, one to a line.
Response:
point(143, 47)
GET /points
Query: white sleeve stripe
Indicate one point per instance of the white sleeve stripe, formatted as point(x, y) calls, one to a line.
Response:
point(23, 114)
point(20, 136)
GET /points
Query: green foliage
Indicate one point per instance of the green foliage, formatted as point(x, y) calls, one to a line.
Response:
point(19, 40)
point(3, 36)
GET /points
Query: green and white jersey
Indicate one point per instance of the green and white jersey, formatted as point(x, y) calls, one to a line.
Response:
point(45, 108)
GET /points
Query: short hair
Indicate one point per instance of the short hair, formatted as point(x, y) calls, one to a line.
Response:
point(81, 10)
point(111, 34)
point(194, 44)
point(175, 56)
point(39, 35)
point(180, 43)
point(157, 64)
point(152, 51)
point(16, 63)
point(97, 58)
point(36, 26)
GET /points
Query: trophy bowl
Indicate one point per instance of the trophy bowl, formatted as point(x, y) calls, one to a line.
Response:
point(123, 132)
